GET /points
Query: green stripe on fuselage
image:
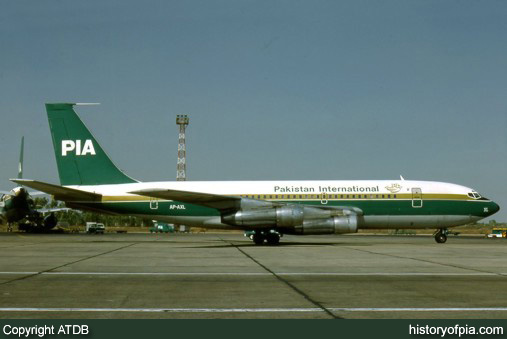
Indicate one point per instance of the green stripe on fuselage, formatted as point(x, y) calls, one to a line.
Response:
point(369, 207)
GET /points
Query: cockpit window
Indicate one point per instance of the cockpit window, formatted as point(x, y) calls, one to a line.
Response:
point(474, 195)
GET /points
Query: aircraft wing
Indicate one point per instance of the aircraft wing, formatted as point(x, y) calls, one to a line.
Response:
point(220, 202)
point(33, 193)
point(59, 192)
point(51, 210)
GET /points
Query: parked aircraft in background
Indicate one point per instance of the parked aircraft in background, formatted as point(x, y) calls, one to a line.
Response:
point(18, 207)
point(90, 181)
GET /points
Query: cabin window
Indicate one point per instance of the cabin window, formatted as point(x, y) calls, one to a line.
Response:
point(389, 196)
point(394, 196)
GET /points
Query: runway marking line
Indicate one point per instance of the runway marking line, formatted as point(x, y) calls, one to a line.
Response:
point(255, 310)
point(267, 273)
point(418, 309)
point(161, 310)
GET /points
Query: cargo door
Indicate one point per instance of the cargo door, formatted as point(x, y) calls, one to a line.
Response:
point(153, 203)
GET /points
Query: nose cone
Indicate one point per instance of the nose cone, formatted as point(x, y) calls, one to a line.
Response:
point(493, 208)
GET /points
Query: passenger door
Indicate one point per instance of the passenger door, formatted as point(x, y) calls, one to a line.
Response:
point(417, 201)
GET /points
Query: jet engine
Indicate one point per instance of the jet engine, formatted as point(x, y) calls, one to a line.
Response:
point(50, 221)
point(295, 219)
point(336, 225)
point(283, 216)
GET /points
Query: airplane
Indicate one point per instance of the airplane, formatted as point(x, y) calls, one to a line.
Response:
point(268, 209)
point(17, 206)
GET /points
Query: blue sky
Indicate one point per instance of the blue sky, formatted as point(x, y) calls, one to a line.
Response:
point(274, 89)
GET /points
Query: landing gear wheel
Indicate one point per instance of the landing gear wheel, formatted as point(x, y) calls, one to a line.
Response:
point(273, 239)
point(258, 239)
point(440, 238)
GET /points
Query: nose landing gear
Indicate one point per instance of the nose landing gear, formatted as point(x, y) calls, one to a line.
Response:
point(441, 235)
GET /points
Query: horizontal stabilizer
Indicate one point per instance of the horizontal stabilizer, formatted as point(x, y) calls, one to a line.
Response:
point(221, 202)
point(52, 210)
point(59, 192)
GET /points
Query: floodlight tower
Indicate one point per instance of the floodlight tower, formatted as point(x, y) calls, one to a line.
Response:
point(181, 174)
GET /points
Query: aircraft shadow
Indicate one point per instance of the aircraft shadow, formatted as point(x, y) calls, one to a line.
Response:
point(281, 244)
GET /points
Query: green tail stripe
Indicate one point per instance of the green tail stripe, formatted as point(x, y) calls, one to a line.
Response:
point(79, 157)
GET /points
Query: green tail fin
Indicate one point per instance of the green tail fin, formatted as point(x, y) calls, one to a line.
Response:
point(79, 157)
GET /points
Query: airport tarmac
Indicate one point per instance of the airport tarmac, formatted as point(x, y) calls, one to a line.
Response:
point(227, 276)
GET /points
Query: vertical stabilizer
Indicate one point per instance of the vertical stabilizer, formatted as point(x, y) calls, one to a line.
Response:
point(20, 165)
point(79, 157)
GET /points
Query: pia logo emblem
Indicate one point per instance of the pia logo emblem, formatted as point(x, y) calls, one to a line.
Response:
point(394, 188)
point(78, 147)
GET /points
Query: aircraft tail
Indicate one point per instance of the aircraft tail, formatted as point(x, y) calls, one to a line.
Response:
point(20, 164)
point(79, 157)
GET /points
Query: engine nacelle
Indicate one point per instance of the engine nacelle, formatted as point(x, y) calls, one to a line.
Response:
point(50, 221)
point(289, 216)
point(284, 216)
point(334, 225)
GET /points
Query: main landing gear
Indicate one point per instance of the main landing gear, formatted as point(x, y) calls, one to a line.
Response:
point(441, 235)
point(272, 237)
